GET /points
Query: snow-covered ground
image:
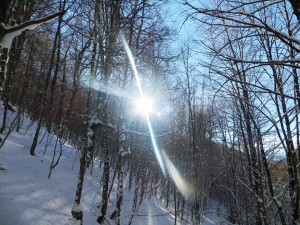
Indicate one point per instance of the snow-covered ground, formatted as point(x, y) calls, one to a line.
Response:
point(28, 197)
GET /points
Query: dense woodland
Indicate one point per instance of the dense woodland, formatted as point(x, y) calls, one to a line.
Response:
point(228, 98)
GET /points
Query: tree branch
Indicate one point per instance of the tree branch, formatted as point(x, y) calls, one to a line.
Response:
point(26, 25)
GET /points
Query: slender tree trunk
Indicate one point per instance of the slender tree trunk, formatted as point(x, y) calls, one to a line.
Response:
point(105, 175)
point(108, 64)
point(45, 99)
point(14, 55)
point(120, 169)
point(76, 210)
point(24, 90)
point(53, 84)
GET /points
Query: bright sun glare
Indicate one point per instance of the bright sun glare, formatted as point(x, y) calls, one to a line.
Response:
point(144, 105)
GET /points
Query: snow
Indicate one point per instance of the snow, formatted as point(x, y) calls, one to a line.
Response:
point(6, 41)
point(77, 208)
point(9, 37)
point(28, 197)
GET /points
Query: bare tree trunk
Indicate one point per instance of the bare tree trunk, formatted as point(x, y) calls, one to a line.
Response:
point(120, 169)
point(45, 99)
point(105, 175)
point(113, 34)
point(76, 210)
point(56, 71)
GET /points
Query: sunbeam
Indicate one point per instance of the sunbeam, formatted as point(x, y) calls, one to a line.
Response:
point(183, 186)
point(111, 91)
point(137, 78)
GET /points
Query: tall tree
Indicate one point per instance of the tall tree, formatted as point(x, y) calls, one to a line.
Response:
point(47, 82)
point(254, 63)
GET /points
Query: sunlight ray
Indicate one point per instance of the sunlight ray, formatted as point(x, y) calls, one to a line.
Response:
point(111, 91)
point(182, 185)
point(137, 78)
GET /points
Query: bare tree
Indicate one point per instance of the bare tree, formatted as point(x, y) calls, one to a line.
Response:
point(256, 62)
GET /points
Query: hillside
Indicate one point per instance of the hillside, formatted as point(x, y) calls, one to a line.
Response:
point(28, 197)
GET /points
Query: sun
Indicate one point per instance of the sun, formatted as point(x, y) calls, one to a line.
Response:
point(144, 105)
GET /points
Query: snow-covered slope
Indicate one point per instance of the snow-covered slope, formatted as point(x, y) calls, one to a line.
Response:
point(28, 197)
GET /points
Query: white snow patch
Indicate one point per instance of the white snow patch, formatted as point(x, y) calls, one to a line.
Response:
point(77, 208)
point(9, 37)
point(28, 197)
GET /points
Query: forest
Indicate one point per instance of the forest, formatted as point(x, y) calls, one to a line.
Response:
point(193, 102)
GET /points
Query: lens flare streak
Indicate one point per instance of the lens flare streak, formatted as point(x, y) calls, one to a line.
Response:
point(164, 162)
point(184, 187)
point(137, 78)
point(155, 147)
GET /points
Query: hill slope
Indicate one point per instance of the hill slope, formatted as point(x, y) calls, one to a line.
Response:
point(28, 197)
